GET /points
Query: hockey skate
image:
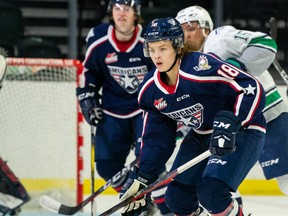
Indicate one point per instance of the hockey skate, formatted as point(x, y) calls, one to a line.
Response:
point(201, 212)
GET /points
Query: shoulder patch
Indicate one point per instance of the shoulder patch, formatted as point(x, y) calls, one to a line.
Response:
point(202, 63)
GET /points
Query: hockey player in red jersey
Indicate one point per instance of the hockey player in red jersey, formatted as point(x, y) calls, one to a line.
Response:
point(221, 103)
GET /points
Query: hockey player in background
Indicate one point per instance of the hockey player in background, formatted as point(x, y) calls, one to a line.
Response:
point(114, 64)
point(254, 52)
point(12, 192)
point(221, 103)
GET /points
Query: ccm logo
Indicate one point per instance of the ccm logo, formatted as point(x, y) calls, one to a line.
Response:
point(86, 95)
point(183, 97)
point(270, 162)
point(217, 161)
point(220, 125)
point(117, 177)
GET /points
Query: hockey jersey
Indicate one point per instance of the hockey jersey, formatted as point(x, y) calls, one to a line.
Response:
point(205, 86)
point(115, 72)
point(257, 51)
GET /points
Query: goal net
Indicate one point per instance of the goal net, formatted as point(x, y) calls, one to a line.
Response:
point(40, 133)
point(42, 130)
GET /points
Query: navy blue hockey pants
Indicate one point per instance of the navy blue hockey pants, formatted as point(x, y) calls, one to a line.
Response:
point(274, 158)
point(224, 174)
point(114, 140)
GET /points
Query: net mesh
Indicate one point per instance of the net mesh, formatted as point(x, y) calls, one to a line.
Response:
point(38, 121)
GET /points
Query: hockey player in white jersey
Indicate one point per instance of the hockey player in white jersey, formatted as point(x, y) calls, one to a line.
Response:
point(12, 192)
point(253, 52)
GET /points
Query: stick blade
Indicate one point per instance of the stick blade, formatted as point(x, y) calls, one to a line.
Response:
point(49, 204)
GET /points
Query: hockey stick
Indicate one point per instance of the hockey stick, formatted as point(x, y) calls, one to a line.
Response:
point(93, 132)
point(273, 33)
point(59, 208)
point(161, 181)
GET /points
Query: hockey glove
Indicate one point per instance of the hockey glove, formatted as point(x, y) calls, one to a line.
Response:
point(90, 106)
point(136, 181)
point(225, 126)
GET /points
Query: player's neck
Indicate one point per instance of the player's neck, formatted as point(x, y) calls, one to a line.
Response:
point(124, 36)
point(173, 76)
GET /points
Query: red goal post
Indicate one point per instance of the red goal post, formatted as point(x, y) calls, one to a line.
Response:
point(42, 127)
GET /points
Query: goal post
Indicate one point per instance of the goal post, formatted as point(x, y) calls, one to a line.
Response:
point(41, 134)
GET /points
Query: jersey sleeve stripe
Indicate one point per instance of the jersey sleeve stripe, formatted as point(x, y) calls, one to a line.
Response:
point(144, 87)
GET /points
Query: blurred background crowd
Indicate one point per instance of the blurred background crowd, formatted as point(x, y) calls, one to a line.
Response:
point(57, 28)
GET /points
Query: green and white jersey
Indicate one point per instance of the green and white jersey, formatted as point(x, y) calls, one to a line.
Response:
point(256, 50)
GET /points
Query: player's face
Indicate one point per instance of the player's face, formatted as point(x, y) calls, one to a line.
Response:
point(162, 54)
point(124, 17)
point(193, 35)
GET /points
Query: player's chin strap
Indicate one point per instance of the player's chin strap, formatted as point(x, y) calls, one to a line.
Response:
point(176, 58)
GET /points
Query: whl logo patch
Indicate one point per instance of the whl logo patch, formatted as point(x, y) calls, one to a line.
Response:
point(111, 58)
point(160, 104)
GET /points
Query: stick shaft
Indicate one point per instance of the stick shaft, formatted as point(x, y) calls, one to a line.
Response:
point(273, 33)
point(54, 206)
point(161, 181)
point(93, 131)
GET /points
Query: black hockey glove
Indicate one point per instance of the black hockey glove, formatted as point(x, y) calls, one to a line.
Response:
point(225, 126)
point(136, 181)
point(90, 106)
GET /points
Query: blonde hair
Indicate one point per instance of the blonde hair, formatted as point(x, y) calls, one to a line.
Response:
point(188, 48)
